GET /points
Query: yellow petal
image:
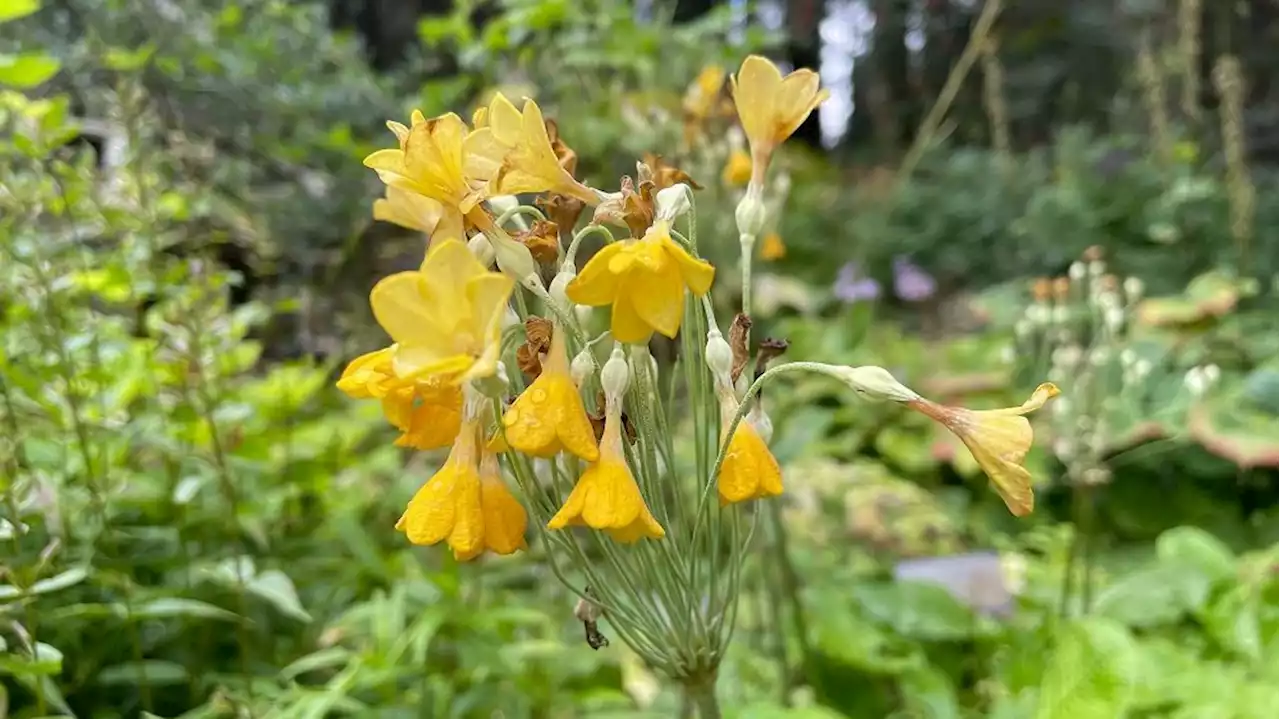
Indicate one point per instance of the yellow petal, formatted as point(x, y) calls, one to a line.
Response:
point(749, 470)
point(433, 158)
point(1000, 442)
point(754, 89)
point(626, 324)
point(596, 285)
point(658, 297)
point(433, 513)
point(697, 274)
point(426, 361)
point(437, 418)
point(401, 306)
point(409, 209)
point(467, 538)
point(505, 520)
point(448, 268)
point(399, 130)
point(488, 295)
point(772, 247)
point(505, 120)
point(367, 375)
point(389, 160)
point(796, 98)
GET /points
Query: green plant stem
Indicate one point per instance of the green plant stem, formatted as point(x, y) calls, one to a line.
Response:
point(701, 693)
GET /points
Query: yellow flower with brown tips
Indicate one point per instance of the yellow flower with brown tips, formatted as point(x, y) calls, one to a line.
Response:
point(645, 281)
point(749, 470)
point(466, 504)
point(999, 440)
point(445, 317)
point(606, 496)
point(737, 169)
point(428, 412)
point(530, 162)
point(771, 107)
point(549, 415)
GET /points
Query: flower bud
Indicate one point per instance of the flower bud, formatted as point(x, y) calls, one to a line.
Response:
point(583, 313)
point(751, 213)
point(1133, 289)
point(480, 247)
point(761, 423)
point(719, 355)
point(875, 383)
point(1076, 270)
point(581, 367)
point(558, 285)
point(514, 259)
point(672, 202)
point(615, 376)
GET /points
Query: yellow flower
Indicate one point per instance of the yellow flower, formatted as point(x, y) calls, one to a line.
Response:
point(446, 317)
point(749, 470)
point(549, 416)
point(427, 413)
point(529, 163)
point(772, 247)
point(999, 440)
point(772, 107)
point(606, 496)
point(466, 504)
point(737, 170)
point(417, 212)
point(701, 96)
point(442, 160)
point(645, 281)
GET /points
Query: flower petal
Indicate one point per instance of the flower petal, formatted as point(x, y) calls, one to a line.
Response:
point(505, 520)
point(400, 307)
point(626, 324)
point(658, 297)
point(754, 89)
point(698, 274)
point(596, 285)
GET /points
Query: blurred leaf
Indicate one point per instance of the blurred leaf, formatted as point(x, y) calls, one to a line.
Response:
point(1091, 672)
point(929, 692)
point(59, 581)
point(1154, 596)
point(144, 672)
point(323, 659)
point(27, 70)
point(14, 9)
point(178, 607)
point(921, 610)
point(1193, 547)
point(275, 586)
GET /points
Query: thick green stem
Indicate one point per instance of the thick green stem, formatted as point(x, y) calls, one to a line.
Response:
point(701, 693)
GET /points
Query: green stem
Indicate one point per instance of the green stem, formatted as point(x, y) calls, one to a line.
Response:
point(701, 693)
point(571, 254)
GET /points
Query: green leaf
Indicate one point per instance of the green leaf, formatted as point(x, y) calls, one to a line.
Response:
point(179, 607)
point(151, 671)
point(125, 60)
point(1091, 673)
point(275, 586)
point(63, 580)
point(928, 692)
point(1232, 620)
point(1154, 596)
point(27, 69)
point(14, 9)
point(920, 610)
point(1194, 547)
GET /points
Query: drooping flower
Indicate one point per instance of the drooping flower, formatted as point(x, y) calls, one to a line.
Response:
point(417, 212)
point(645, 281)
point(737, 169)
point(852, 286)
point(606, 496)
point(999, 440)
point(910, 282)
point(446, 317)
point(529, 161)
point(549, 415)
point(749, 470)
point(466, 504)
point(772, 107)
point(428, 412)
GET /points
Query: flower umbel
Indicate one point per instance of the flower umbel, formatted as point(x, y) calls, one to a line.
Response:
point(445, 317)
point(645, 281)
point(999, 440)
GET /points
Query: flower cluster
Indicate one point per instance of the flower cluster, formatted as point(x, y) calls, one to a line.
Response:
point(492, 361)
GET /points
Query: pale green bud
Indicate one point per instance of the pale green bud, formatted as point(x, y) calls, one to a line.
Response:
point(559, 286)
point(671, 202)
point(615, 376)
point(751, 213)
point(480, 247)
point(580, 368)
point(719, 356)
point(515, 259)
point(875, 383)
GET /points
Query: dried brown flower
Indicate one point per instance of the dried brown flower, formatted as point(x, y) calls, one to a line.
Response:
point(597, 421)
point(665, 175)
point(770, 349)
point(543, 241)
point(537, 341)
point(564, 154)
point(739, 336)
point(562, 210)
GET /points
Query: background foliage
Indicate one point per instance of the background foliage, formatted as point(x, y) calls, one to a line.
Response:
point(195, 523)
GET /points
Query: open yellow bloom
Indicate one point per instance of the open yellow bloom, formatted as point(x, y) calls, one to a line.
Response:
point(549, 415)
point(446, 317)
point(466, 504)
point(607, 496)
point(737, 169)
point(999, 440)
point(529, 163)
point(645, 281)
point(772, 107)
point(428, 412)
point(749, 470)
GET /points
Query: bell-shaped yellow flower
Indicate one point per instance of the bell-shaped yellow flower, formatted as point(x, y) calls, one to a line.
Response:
point(749, 470)
point(549, 416)
point(446, 317)
point(530, 163)
point(466, 504)
point(737, 169)
point(999, 440)
point(772, 107)
point(772, 247)
point(440, 159)
point(645, 281)
point(428, 412)
point(607, 496)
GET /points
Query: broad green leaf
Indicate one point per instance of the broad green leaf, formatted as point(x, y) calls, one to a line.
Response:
point(27, 69)
point(151, 671)
point(63, 580)
point(1091, 672)
point(14, 9)
point(920, 610)
point(275, 586)
point(1194, 547)
point(928, 692)
point(180, 607)
point(1232, 620)
point(1154, 596)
